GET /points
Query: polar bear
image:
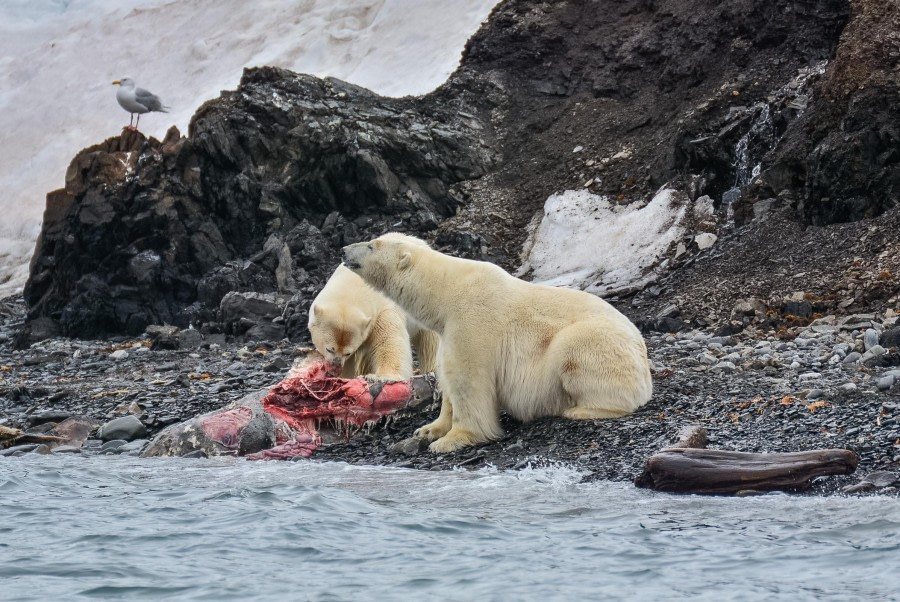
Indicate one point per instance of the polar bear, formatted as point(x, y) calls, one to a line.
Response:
point(505, 343)
point(353, 325)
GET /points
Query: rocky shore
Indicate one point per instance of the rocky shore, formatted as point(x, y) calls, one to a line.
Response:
point(835, 383)
point(183, 269)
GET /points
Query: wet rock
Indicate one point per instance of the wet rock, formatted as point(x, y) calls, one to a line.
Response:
point(67, 449)
point(113, 445)
point(18, 450)
point(858, 488)
point(197, 453)
point(133, 447)
point(410, 446)
point(127, 428)
point(882, 478)
point(48, 416)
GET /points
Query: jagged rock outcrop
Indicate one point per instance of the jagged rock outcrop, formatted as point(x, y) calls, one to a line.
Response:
point(841, 160)
point(271, 181)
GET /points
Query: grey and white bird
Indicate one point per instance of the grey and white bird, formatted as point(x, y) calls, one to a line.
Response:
point(137, 100)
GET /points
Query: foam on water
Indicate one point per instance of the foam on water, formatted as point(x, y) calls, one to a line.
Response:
point(229, 529)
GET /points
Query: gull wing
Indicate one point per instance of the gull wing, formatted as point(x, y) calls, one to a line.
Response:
point(149, 100)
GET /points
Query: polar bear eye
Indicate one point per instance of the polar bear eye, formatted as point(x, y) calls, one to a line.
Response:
point(329, 349)
point(371, 247)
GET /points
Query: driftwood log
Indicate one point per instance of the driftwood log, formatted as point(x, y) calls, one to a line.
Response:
point(683, 468)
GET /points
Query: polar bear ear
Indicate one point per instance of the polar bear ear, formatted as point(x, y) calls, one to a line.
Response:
point(318, 311)
point(405, 260)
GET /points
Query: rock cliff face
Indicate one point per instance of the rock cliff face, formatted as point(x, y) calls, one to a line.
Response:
point(785, 109)
point(272, 180)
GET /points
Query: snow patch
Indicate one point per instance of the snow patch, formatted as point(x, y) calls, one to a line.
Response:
point(584, 241)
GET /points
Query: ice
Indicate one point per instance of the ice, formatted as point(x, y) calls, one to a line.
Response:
point(59, 57)
point(584, 241)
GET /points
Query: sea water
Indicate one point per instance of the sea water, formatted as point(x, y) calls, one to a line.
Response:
point(74, 528)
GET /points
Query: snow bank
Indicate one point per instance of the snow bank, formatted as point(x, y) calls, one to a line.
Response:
point(583, 241)
point(59, 57)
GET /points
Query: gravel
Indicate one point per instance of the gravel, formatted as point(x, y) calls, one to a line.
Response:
point(753, 392)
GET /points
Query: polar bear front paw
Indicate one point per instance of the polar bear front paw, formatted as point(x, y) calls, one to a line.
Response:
point(382, 378)
point(455, 439)
point(432, 431)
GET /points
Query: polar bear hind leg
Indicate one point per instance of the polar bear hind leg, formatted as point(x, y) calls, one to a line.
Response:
point(604, 375)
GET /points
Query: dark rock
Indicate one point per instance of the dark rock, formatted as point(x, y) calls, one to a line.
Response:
point(118, 253)
point(112, 445)
point(276, 365)
point(133, 447)
point(731, 196)
point(48, 416)
point(126, 427)
point(241, 312)
point(841, 154)
point(409, 447)
point(882, 478)
point(189, 338)
point(197, 453)
point(163, 336)
point(670, 325)
point(39, 329)
point(890, 338)
point(858, 488)
point(802, 309)
point(18, 450)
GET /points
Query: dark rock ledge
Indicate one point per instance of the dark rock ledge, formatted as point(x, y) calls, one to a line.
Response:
point(271, 181)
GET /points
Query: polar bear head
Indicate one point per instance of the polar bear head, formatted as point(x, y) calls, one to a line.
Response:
point(337, 332)
point(379, 262)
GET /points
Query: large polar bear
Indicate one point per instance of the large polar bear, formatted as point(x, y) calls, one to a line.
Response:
point(505, 343)
point(354, 325)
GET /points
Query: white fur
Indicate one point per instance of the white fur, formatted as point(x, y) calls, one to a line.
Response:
point(354, 325)
point(505, 343)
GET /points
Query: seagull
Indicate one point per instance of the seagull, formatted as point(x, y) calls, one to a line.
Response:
point(136, 100)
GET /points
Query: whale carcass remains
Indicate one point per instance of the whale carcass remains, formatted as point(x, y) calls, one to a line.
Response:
point(312, 406)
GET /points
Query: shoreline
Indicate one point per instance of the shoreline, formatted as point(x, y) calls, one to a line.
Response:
point(752, 392)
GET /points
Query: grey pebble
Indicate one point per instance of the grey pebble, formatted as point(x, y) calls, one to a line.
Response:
point(885, 382)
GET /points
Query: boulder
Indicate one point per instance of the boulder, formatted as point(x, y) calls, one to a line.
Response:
point(273, 177)
point(127, 428)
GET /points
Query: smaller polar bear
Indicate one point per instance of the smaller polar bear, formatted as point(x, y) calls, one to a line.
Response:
point(505, 343)
point(353, 325)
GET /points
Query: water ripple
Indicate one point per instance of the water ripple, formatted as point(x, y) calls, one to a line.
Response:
point(125, 528)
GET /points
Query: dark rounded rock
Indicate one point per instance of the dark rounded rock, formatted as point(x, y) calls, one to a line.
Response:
point(890, 338)
point(127, 428)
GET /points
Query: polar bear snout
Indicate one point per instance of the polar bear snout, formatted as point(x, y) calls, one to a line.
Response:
point(353, 254)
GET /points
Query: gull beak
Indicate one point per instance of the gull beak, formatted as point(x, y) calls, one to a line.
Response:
point(117, 83)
